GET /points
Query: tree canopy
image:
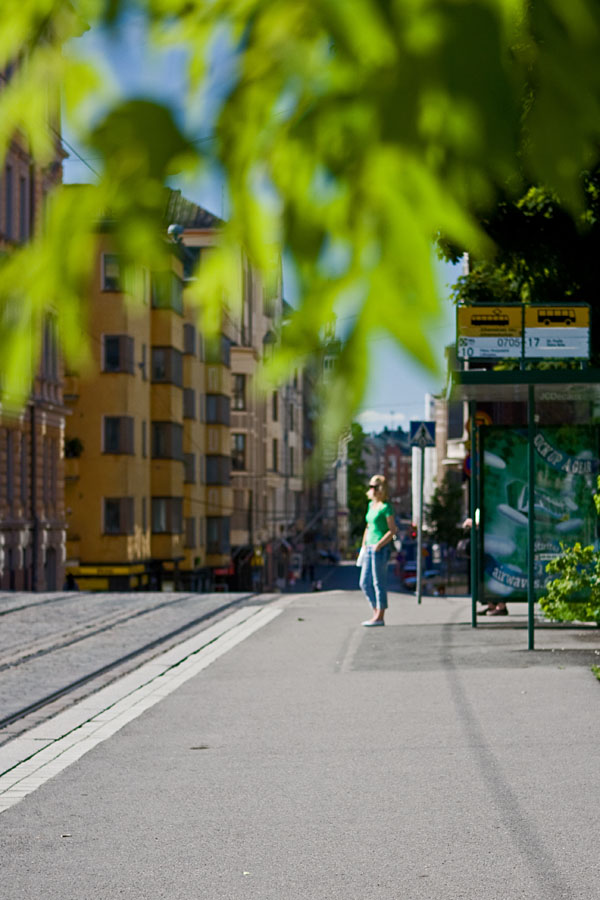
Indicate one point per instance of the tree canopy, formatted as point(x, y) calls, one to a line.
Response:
point(350, 135)
point(444, 514)
point(357, 475)
point(543, 254)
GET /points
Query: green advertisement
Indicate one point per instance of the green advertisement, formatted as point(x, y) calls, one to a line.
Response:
point(566, 467)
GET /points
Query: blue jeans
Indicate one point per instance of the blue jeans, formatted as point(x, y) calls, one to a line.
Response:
point(373, 576)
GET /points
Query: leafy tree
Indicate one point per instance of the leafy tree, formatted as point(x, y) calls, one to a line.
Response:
point(357, 500)
point(350, 135)
point(444, 514)
point(543, 254)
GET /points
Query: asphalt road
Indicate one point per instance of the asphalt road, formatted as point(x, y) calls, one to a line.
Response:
point(319, 759)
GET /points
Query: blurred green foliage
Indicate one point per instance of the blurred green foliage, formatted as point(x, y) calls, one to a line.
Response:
point(370, 127)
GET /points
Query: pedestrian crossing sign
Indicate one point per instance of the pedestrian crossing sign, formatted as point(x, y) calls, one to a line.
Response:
point(422, 434)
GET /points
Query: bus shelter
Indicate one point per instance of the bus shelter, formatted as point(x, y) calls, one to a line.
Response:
point(535, 452)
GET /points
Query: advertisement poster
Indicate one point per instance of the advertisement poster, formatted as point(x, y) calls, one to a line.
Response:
point(566, 468)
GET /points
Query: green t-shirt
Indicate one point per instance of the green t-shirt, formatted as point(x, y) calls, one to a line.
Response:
point(377, 522)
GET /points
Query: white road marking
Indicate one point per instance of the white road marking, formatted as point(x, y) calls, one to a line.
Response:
point(32, 759)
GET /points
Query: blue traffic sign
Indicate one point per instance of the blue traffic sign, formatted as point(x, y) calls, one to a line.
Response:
point(422, 434)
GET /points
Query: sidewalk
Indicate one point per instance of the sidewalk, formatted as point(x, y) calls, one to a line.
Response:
point(318, 760)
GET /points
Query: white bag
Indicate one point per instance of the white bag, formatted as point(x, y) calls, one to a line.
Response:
point(361, 557)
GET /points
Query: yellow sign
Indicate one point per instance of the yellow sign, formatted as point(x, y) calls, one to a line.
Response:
point(489, 332)
point(490, 321)
point(555, 331)
point(557, 316)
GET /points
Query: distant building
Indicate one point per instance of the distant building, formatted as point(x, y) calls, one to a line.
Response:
point(335, 521)
point(450, 452)
point(32, 515)
point(388, 453)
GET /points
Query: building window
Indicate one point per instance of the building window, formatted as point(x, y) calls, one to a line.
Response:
point(144, 439)
point(239, 392)
point(167, 292)
point(275, 453)
point(291, 418)
point(118, 434)
point(8, 202)
point(189, 339)
point(217, 535)
point(144, 515)
point(275, 406)
point(217, 408)
point(218, 469)
point(23, 211)
point(54, 473)
point(10, 467)
point(111, 272)
point(167, 440)
point(117, 353)
point(191, 261)
point(238, 452)
point(24, 470)
point(46, 472)
point(118, 515)
point(190, 533)
point(167, 366)
point(49, 362)
point(189, 403)
point(217, 350)
point(167, 515)
point(189, 468)
point(291, 460)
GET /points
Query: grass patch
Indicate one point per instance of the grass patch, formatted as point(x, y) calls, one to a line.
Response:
point(596, 671)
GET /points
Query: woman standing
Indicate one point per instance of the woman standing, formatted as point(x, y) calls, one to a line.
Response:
point(378, 535)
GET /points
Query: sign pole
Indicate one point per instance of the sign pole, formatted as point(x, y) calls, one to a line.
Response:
point(420, 531)
point(474, 536)
point(422, 434)
point(531, 518)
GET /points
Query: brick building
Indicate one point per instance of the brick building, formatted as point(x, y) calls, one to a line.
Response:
point(32, 515)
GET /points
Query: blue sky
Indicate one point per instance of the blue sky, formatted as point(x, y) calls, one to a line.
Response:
point(397, 385)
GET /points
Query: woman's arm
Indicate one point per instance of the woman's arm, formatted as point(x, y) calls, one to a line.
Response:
point(389, 535)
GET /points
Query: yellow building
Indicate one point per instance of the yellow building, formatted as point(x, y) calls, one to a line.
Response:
point(261, 434)
point(147, 475)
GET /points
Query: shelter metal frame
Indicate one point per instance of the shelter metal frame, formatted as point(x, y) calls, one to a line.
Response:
point(516, 386)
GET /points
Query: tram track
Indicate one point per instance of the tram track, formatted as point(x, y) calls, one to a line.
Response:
point(140, 653)
point(53, 642)
point(35, 604)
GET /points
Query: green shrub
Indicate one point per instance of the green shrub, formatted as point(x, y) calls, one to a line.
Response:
point(575, 593)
